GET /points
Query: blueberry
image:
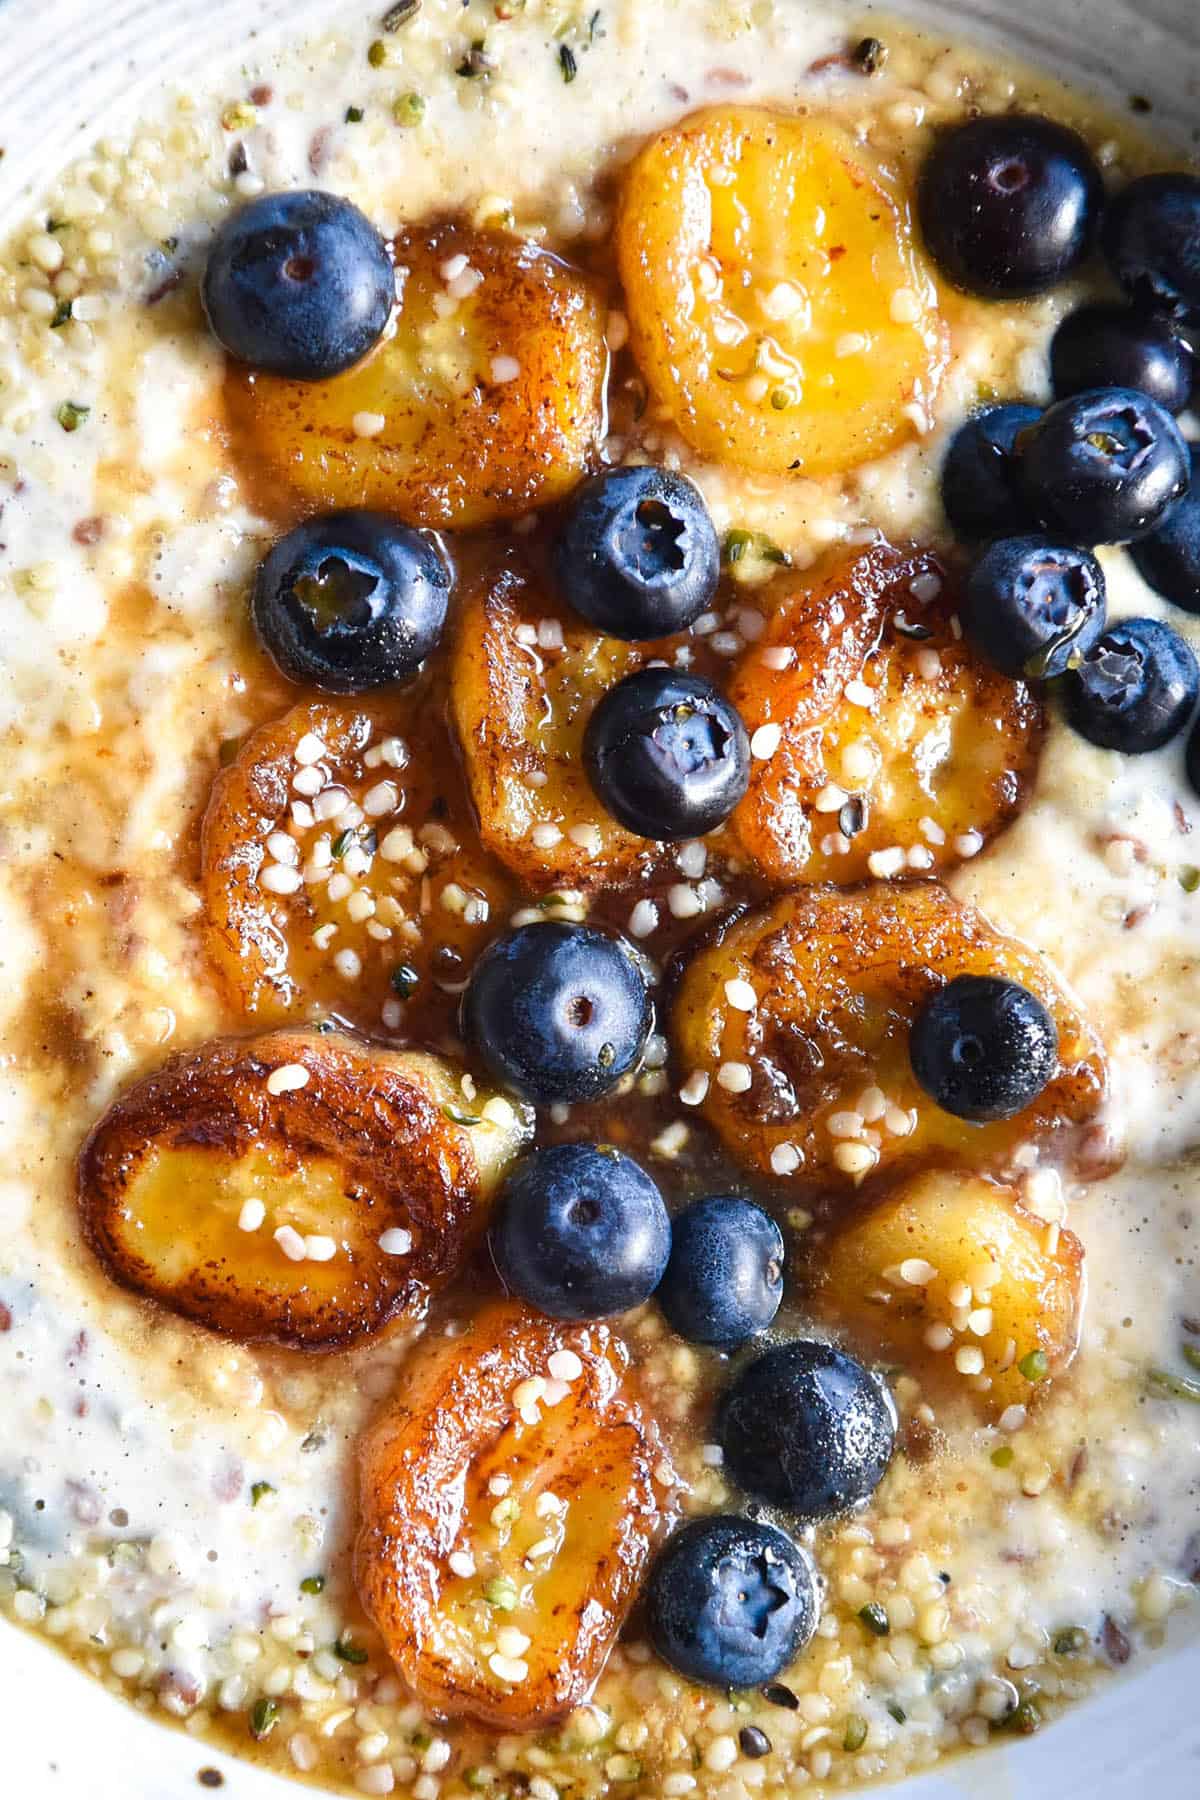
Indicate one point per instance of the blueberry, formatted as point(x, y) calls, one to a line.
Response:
point(806, 1427)
point(1120, 346)
point(724, 1281)
point(1134, 689)
point(731, 1602)
point(298, 284)
point(351, 601)
point(1104, 466)
point(983, 1047)
point(1031, 605)
point(1192, 758)
point(557, 1012)
point(1152, 241)
point(1008, 204)
point(980, 491)
point(581, 1232)
point(639, 556)
point(667, 754)
point(1169, 558)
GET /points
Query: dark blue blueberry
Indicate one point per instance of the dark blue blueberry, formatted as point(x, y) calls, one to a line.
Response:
point(667, 754)
point(1008, 204)
point(806, 1427)
point(724, 1281)
point(1104, 467)
point(980, 491)
point(1134, 689)
point(638, 555)
point(351, 601)
point(1192, 758)
point(731, 1602)
point(557, 1012)
point(1031, 605)
point(298, 284)
point(1152, 241)
point(983, 1047)
point(1169, 559)
point(1121, 346)
point(580, 1232)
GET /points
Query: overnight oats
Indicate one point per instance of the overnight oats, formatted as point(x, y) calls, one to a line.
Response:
point(600, 855)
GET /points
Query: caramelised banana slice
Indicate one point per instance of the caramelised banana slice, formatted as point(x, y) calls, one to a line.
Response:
point(951, 1276)
point(509, 1501)
point(779, 305)
point(525, 677)
point(339, 868)
point(482, 400)
point(299, 1188)
point(792, 1029)
point(884, 742)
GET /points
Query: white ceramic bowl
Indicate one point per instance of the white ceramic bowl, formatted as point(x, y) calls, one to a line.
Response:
point(63, 65)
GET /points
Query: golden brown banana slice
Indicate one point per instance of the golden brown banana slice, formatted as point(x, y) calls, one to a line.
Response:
point(340, 870)
point(508, 1507)
point(482, 400)
point(779, 305)
point(891, 745)
point(525, 676)
point(953, 1277)
point(798, 1019)
point(297, 1187)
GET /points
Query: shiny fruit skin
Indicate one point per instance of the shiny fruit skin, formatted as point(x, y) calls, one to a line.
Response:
point(638, 556)
point(667, 755)
point(1009, 204)
point(1135, 689)
point(980, 490)
point(1103, 345)
point(807, 1428)
point(1104, 467)
point(557, 1012)
point(299, 285)
point(1032, 605)
point(581, 1232)
point(724, 1279)
point(351, 601)
point(983, 1048)
point(731, 1602)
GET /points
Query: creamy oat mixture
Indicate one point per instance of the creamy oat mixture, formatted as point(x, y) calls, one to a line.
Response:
point(175, 1509)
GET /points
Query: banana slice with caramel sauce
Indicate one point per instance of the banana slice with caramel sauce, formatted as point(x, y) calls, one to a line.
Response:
point(510, 1495)
point(791, 1032)
point(297, 1188)
point(780, 307)
point(883, 742)
point(949, 1275)
point(483, 399)
point(339, 867)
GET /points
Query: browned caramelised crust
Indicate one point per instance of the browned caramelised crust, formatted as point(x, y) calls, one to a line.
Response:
point(889, 736)
point(486, 413)
point(837, 978)
point(403, 1164)
point(424, 1491)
